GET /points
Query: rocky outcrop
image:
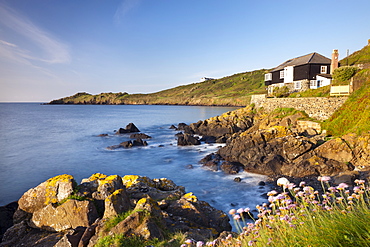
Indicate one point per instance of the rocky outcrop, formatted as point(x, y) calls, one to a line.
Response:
point(187, 139)
point(129, 144)
point(83, 215)
point(130, 128)
point(277, 144)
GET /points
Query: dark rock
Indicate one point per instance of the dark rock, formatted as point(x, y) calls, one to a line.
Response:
point(72, 237)
point(186, 128)
point(140, 136)
point(6, 216)
point(237, 179)
point(189, 166)
point(22, 235)
point(126, 144)
point(130, 128)
point(173, 127)
point(187, 139)
point(211, 165)
point(231, 167)
point(103, 135)
point(139, 142)
point(261, 183)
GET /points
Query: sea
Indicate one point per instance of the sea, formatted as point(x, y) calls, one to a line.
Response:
point(39, 141)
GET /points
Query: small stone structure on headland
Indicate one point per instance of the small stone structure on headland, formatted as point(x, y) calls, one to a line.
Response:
point(320, 108)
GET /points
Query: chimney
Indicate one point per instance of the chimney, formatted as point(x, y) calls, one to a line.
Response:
point(334, 61)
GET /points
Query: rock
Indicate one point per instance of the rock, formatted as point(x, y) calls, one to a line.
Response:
point(187, 139)
point(146, 221)
point(173, 127)
point(231, 167)
point(140, 136)
point(103, 135)
point(237, 179)
point(261, 183)
point(211, 165)
point(347, 177)
point(139, 143)
point(87, 235)
point(6, 216)
point(130, 128)
point(22, 235)
point(335, 149)
point(69, 215)
point(71, 238)
point(52, 191)
point(116, 203)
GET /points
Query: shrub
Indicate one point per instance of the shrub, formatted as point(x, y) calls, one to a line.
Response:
point(280, 92)
point(345, 73)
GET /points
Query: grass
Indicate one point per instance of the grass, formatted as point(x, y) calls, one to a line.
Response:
point(320, 92)
point(301, 216)
point(354, 115)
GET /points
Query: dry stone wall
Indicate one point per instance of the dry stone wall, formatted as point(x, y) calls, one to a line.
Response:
point(320, 108)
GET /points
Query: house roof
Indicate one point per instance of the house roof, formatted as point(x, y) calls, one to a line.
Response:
point(306, 59)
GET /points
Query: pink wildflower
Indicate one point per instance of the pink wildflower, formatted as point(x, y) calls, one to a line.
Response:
point(237, 217)
point(342, 186)
point(188, 241)
point(200, 244)
point(247, 210)
point(240, 211)
point(301, 184)
point(324, 179)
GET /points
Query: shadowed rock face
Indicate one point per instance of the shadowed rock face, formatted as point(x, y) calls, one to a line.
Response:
point(69, 215)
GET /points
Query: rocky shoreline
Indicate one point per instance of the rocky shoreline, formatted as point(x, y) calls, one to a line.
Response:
point(60, 212)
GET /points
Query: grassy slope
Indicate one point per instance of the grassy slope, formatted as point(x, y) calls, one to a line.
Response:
point(230, 90)
point(354, 115)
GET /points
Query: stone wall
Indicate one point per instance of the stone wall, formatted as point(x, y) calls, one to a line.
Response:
point(320, 108)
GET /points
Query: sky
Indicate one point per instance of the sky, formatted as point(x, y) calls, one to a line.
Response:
point(51, 49)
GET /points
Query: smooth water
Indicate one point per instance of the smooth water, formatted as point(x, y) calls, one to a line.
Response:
point(41, 141)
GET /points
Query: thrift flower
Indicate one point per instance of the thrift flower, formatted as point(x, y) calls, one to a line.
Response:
point(282, 182)
point(324, 179)
point(232, 211)
point(200, 244)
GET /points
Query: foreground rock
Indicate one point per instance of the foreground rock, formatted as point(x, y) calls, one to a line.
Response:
point(59, 212)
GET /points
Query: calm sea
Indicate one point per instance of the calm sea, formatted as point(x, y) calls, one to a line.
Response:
point(41, 141)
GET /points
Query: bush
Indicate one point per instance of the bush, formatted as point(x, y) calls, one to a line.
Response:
point(280, 92)
point(344, 73)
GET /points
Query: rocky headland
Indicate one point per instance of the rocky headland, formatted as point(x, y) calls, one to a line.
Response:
point(284, 142)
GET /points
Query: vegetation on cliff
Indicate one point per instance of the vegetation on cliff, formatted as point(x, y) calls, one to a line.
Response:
point(231, 90)
point(354, 115)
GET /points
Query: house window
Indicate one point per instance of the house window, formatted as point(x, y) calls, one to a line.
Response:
point(297, 85)
point(268, 77)
point(281, 74)
point(324, 69)
point(313, 84)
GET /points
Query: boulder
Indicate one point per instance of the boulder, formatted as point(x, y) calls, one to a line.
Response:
point(231, 167)
point(116, 203)
point(130, 128)
point(69, 215)
point(187, 139)
point(335, 149)
point(53, 190)
point(145, 221)
point(139, 143)
point(22, 235)
point(140, 136)
point(71, 238)
point(6, 216)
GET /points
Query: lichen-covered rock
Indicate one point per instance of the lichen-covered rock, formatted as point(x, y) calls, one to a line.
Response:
point(51, 191)
point(335, 149)
point(145, 221)
point(100, 185)
point(116, 203)
point(71, 238)
point(69, 215)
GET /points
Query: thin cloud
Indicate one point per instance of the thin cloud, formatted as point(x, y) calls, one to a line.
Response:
point(53, 50)
point(124, 8)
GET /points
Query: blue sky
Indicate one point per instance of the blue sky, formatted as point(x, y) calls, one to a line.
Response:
point(54, 48)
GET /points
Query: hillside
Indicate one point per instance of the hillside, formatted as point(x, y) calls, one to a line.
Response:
point(231, 90)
